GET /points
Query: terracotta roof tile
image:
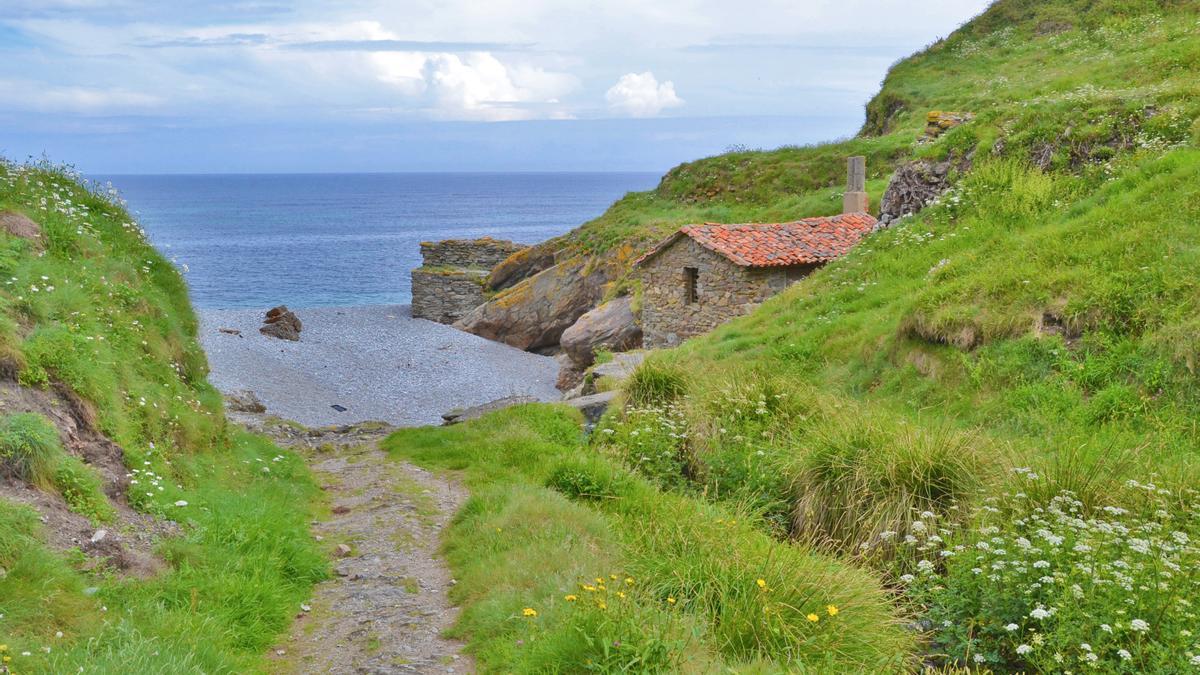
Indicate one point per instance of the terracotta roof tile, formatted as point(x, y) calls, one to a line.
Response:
point(811, 240)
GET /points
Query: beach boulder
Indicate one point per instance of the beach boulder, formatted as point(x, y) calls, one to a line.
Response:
point(281, 323)
point(610, 326)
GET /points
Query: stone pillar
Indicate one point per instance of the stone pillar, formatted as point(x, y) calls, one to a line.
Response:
point(856, 199)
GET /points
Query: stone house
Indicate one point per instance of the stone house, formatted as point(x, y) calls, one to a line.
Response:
point(449, 283)
point(705, 275)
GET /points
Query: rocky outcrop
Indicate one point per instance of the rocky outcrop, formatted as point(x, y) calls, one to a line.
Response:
point(450, 282)
point(533, 314)
point(19, 225)
point(245, 401)
point(459, 415)
point(520, 266)
point(281, 323)
point(938, 122)
point(610, 326)
point(913, 187)
point(594, 406)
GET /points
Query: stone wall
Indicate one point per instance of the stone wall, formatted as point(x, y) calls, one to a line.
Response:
point(446, 295)
point(724, 291)
point(449, 284)
point(484, 253)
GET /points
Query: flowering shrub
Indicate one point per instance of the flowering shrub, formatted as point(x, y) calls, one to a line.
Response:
point(1049, 586)
point(653, 441)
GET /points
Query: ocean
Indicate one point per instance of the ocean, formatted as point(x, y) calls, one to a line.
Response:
point(314, 240)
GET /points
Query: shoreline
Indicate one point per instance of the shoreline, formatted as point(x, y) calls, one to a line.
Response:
point(376, 361)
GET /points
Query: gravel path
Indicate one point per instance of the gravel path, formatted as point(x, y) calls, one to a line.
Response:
point(386, 607)
point(377, 362)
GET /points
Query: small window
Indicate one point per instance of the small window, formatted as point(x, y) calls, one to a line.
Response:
point(691, 277)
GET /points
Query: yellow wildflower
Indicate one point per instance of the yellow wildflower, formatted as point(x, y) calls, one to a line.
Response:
point(620, 594)
point(602, 587)
point(589, 589)
point(832, 609)
point(628, 581)
point(813, 618)
point(529, 611)
point(762, 583)
point(613, 577)
point(571, 598)
point(601, 605)
point(599, 580)
point(670, 601)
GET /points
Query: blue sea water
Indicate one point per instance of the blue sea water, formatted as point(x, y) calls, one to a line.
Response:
point(310, 240)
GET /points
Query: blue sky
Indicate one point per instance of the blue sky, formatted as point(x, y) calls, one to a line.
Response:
point(123, 86)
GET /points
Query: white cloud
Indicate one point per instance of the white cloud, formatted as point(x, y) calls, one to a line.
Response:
point(474, 86)
point(641, 95)
point(29, 95)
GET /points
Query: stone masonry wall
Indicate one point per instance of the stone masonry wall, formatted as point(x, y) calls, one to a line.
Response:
point(449, 284)
point(724, 291)
point(484, 253)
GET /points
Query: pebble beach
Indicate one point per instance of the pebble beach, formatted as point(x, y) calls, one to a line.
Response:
point(376, 362)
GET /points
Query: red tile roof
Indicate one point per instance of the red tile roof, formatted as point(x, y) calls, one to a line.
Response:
point(812, 240)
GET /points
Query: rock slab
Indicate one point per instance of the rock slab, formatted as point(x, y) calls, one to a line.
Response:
point(611, 326)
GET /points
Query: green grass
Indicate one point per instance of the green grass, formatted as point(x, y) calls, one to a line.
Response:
point(553, 527)
point(103, 314)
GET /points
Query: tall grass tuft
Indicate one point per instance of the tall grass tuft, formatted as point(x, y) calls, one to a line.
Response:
point(29, 448)
point(863, 481)
point(656, 383)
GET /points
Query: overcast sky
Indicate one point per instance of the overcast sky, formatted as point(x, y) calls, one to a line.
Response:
point(122, 86)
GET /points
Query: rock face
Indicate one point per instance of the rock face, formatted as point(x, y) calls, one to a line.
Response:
point(281, 323)
point(610, 326)
point(519, 267)
point(19, 225)
point(450, 282)
point(913, 187)
point(533, 314)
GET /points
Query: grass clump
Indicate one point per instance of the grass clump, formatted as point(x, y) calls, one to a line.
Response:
point(29, 448)
point(620, 575)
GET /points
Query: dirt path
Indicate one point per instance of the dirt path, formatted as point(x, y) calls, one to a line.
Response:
point(386, 607)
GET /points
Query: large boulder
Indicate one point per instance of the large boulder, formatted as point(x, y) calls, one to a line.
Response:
point(610, 326)
point(281, 323)
point(533, 314)
point(520, 266)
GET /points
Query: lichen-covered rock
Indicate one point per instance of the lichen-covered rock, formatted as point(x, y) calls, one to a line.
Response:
point(281, 323)
point(533, 314)
point(520, 266)
point(938, 122)
point(610, 326)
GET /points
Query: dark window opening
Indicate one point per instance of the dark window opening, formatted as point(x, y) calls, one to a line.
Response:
point(691, 277)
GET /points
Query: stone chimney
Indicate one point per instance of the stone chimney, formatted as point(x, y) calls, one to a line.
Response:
point(856, 199)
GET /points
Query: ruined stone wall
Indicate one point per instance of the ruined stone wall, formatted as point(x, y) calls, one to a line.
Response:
point(449, 284)
point(724, 291)
point(484, 253)
point(446, 295)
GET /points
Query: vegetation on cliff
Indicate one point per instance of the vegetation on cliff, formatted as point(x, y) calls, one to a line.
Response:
point(94, 320)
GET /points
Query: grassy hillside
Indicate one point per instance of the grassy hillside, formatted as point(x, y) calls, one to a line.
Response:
point(92, 314)
point(990, 407)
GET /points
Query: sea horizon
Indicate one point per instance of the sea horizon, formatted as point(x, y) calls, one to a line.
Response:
point(346, 239)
